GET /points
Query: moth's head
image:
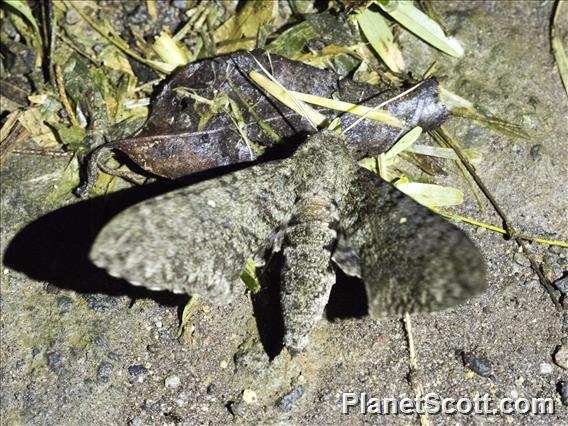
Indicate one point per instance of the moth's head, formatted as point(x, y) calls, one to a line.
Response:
point(325, 144)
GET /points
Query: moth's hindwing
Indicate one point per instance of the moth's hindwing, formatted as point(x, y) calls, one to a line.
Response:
point(196, 239)
point(412, 260)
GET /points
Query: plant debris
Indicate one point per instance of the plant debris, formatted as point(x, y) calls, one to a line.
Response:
point(199, 118)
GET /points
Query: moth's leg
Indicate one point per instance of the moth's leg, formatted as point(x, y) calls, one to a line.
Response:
point(97, 161)
point(307, 273)
point(127, 175)
point(100, 154)
point(346, 258)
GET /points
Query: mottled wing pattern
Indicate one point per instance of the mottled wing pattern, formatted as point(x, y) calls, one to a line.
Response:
point(412, 260)
point(196, 239)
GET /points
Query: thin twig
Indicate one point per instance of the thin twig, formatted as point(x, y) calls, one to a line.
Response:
point(42, 153)
point(412, 366)
point(10, 135)
point(63, 96)
point(500, 230)
point(506, 223)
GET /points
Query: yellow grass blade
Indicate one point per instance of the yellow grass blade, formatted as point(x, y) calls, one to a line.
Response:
point(169, 51)
point(284, 96)
point(380, 115)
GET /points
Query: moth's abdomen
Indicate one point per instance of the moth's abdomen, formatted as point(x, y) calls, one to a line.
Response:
point(307, 275)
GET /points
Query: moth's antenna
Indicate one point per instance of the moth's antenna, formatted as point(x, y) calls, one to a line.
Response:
point(296, 102)
point(416, 86)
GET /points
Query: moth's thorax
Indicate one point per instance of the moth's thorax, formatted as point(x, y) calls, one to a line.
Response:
point(324, 165)
point(315, 208)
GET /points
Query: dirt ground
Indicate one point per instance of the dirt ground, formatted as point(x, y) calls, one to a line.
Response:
point(87, 352)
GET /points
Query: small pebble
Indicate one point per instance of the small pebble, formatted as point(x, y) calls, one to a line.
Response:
point(546, 368)
point(135, 421)
point(100, 302)
point(165, 335)
point(137, 370)
point(104, 371)
point(181, 401)
point(152, 348)
point(536, 152)
point(249, 396)
point(562, 388)
point(252, 359)
point(286, 403)
point(172, 382)
point(64, 304)
point(72, 17)
point(55, 362)
point(114, 356)
point(561, 356)
point(237, 408)
point(223, 364)
point(478, 364)
point(180, 4)
point(521, 259)
point(562, 284)
point(211, 389)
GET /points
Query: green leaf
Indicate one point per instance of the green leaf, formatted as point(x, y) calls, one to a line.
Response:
point(249, 277)
point(22, 7)
point(240, 30)
point(431, 195)
point(26, 26)
point(68, 181)
point(404, 142)
point(378, 33)
point(436, 151)
point(71, 136)
point(404, 12)
point(292, 41)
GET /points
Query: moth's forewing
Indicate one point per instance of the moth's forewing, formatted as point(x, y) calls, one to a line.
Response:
point(412, 260)
point(196, 239)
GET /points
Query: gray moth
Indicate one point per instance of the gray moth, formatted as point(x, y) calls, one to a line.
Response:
point(322, 211)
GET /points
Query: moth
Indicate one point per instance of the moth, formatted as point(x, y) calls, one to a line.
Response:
point(323, 212)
